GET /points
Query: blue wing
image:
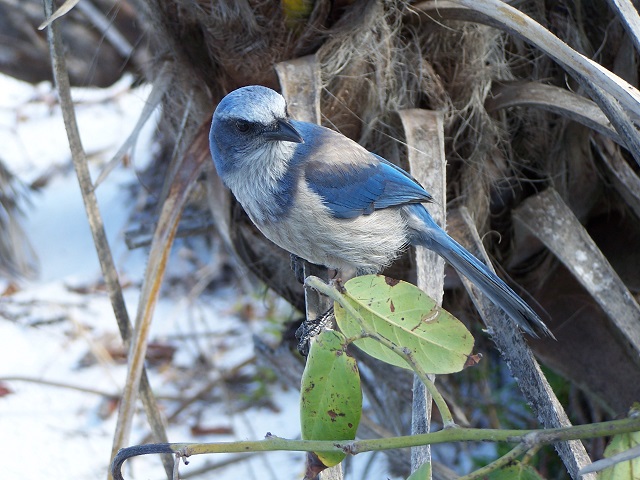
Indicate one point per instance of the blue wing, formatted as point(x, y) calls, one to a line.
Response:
point(351, 180)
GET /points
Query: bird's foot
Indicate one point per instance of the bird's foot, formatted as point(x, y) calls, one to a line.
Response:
point(310, 328)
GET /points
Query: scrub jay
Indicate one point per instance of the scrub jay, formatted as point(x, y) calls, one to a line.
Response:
point(325, 198)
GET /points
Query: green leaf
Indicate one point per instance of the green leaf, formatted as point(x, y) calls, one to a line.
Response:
point(408, 317)
point(331, 398)
point(422, 473)
point(627, 470)
point(519, 471)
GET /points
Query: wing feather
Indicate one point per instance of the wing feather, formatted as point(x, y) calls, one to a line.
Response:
point(351, 180)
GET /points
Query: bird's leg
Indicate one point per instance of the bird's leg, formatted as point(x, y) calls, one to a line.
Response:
point(310, 328)
point(315, 321)
point(297, 265)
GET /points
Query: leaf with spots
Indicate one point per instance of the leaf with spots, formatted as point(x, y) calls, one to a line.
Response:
point(330, 398)
point(408, 317)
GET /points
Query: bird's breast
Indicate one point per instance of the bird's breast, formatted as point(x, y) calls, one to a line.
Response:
point(308, 229)
point(264, 186)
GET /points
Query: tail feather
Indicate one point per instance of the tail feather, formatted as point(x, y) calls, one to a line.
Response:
point(434, 238)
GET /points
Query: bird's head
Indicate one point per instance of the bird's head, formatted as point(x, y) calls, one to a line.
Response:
point(246, 125)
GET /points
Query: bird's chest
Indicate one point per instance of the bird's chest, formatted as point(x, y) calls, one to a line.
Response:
point(265, 189)
point(264, 207)
point(304, 227)
point(312, 232)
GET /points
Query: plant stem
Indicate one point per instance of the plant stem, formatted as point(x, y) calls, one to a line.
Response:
point(528, 438)
point(499, 463)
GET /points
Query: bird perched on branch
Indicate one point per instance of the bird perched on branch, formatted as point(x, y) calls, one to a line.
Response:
point(325, 198)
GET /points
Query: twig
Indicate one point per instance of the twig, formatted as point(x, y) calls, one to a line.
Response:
point(503, 461)
point(530, 438)
point(96, 224)
point(215, 466)
point(625, 456)
point(68, 386)
point(79, 388)
point(195, 158)
point(204, 391)
point(105, 26)
point(176, 464)
point(153, 101)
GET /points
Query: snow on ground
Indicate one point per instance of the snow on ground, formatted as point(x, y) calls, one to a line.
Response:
point(55, 327)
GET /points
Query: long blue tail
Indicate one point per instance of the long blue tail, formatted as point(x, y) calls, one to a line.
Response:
point(436, 239)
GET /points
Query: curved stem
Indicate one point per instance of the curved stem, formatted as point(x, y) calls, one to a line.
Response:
point(499, 463)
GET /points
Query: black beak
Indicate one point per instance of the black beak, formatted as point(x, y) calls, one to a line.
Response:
point(284, 131)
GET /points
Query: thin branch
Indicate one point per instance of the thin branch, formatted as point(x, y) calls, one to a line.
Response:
point(158, 91)
point(96, 224)
point(625, 456)
point(106, 27)
point(81, 388)
point(68, 386)
point(530, 438)
point(195, 158)
point(503, 461)
point(214, 466)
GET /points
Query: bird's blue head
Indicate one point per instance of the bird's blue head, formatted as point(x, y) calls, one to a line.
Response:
point(250, 127)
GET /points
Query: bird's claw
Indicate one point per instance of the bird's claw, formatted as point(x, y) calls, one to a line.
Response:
point(310, 328)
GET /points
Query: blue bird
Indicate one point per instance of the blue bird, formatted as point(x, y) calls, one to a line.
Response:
point(325, 198)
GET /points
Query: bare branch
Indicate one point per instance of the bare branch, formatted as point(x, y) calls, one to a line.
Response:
point(95, 219)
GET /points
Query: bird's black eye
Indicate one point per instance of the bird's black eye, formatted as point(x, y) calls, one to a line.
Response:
point(243, 126)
